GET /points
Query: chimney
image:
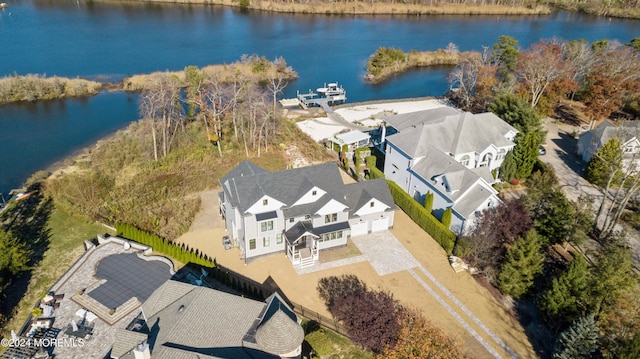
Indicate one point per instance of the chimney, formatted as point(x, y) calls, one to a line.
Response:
point(142, 351)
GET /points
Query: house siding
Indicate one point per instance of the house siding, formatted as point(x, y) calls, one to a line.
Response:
point(395, 166)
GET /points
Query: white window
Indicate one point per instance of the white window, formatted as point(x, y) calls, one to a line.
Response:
point(266, 226)
point(501, 154)
point(465, 160)
point(252, 244)
point(266, 241)
point(265, 202)
point(372, 204)
point(330, 218)
point(314, 192)
point(279, 238)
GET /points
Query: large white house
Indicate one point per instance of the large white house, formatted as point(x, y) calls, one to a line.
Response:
point(453, 154)
point(300, 211)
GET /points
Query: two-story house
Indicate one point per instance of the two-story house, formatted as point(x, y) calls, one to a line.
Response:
point(628, 133)
point(453, 154)
point(300, 211)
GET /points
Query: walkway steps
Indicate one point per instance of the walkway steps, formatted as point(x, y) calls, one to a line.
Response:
point(102, 312)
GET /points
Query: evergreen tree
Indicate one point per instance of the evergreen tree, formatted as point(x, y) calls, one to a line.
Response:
point(523, 262)
point(14, 259)
point(446, 217)
point(509, 168)
point(565, 301)
point(428, 202)
point(505, 54)
point(553, 217)
point(517, 112)
point(580, 341)
point(525, 154)
point(606, 162)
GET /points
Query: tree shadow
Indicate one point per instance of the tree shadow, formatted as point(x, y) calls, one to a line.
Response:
point(27, 220)
point(567, 146)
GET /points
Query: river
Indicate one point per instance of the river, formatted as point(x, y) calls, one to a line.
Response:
point(108, 41)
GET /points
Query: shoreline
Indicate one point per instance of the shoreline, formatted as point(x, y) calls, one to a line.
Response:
point(361, 8)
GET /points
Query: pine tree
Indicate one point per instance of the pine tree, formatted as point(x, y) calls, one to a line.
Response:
point(580, 341)
point(565, 301)
point(428, 202)
point(606, 161)
point(522, 264)
point(525, 154)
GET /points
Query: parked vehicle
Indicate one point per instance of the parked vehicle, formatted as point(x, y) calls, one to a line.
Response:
point(226, 242)
point(542, 151)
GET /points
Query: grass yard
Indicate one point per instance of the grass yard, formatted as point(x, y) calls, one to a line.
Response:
point(323, 343)
point(334, 254)
point(66, 236)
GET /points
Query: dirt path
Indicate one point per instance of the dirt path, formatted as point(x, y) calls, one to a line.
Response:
point(459, 292)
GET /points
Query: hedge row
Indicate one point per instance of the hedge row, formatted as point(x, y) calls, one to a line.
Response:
point(422, 217)
point(374, 172)
point(180, 253)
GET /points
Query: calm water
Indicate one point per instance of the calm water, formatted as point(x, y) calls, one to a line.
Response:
point(108, 41)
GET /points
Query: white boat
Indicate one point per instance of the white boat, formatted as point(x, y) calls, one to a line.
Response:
point(3, 5)
point(333, 91)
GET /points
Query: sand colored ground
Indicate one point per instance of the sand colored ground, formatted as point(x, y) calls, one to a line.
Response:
point(208, 229)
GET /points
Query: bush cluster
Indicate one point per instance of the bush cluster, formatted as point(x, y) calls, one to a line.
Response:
point(422, 217)
point(37, 87)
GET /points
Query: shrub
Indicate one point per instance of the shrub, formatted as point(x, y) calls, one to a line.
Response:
point(422, 218)
point(374, 172)
point(178, 252)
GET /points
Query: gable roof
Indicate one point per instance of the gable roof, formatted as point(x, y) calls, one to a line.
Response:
point(125, 341)
point(448, 130)
point(358, 194)
point(468, 188)
point(187, 321)
point(285, 186)
point(607, 130)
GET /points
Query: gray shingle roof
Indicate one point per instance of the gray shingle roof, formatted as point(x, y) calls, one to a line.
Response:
point(279, 334)
point(284, 186)
point(360, 193)
point(269, 330)
point(187, 321)
point(464, 184)
point(449, 131)
point(125, 341)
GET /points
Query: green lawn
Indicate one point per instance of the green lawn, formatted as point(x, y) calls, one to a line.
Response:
point(327, 344)
point(67, 234)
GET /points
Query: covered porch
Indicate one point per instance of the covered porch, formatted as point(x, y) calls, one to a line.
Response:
point(302, 244)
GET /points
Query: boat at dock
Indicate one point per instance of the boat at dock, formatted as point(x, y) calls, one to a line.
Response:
point(332, 91)
point(330, 94)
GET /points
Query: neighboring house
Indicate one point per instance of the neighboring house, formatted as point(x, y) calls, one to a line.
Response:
point(452, 154)
point(300, 211)
point(186, 321)
point(590, 142)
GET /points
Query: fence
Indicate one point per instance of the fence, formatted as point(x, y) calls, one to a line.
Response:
point(326, 322)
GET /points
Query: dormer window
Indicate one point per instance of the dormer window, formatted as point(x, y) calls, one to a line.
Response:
point(465, 160)
point(265, 202)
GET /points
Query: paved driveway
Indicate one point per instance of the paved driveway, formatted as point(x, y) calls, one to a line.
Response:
point(570, 169)
point(561, 155)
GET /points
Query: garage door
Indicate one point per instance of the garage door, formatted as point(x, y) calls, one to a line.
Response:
point(379, 224)
point(359, 229)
